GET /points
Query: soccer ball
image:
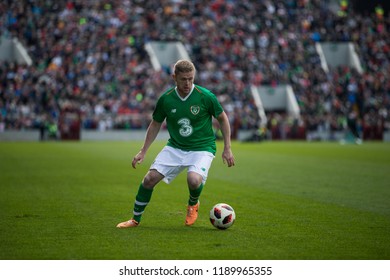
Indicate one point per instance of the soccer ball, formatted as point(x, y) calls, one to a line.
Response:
point(222, 216)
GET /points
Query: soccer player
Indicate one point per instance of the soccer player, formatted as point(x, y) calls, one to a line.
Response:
point(188, 110)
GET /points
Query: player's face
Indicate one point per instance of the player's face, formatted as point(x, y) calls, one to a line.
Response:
point(184, 82)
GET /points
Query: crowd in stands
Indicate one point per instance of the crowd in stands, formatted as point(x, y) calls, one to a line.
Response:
point(90, 55)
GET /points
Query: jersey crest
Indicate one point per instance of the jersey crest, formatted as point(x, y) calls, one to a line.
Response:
point(195, 109)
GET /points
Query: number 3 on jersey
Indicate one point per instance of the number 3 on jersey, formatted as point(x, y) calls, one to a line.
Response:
point(186, 128)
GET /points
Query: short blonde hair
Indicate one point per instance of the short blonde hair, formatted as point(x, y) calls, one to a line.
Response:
point(183, 66)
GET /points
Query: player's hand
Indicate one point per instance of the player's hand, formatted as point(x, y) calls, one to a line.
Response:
point(139, 158)
point(228, 157)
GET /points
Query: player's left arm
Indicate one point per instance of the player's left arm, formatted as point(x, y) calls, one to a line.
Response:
point(227, 154)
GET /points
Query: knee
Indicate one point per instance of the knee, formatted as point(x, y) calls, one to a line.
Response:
point(150, 180)
point(194, 180)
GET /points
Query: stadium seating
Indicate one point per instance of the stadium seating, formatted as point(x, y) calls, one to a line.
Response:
point(92, 55)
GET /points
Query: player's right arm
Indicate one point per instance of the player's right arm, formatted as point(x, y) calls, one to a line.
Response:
point(151, 134)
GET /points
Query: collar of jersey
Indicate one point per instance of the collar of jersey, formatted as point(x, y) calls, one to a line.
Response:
point(185, 98)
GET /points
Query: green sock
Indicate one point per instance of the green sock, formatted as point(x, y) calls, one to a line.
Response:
point(194, 195)
point(141, 201)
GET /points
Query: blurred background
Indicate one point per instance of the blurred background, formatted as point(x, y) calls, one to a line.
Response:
point(282, 69)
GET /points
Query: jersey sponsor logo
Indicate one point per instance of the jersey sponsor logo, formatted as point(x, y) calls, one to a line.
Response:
point(185, 127)
point(173, 111)
point(195, 109)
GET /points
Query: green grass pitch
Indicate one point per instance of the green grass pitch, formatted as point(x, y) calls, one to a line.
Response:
point(293, 200)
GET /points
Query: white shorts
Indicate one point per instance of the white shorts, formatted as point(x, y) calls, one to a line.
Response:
point(171, 161)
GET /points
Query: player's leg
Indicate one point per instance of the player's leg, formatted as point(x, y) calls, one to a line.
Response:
point(145, 191)
point(195, 187)
point(196, 179)
point(166, 167)
point(143, 197)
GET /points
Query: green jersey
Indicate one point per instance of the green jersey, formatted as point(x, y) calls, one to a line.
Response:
point(189, 120)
